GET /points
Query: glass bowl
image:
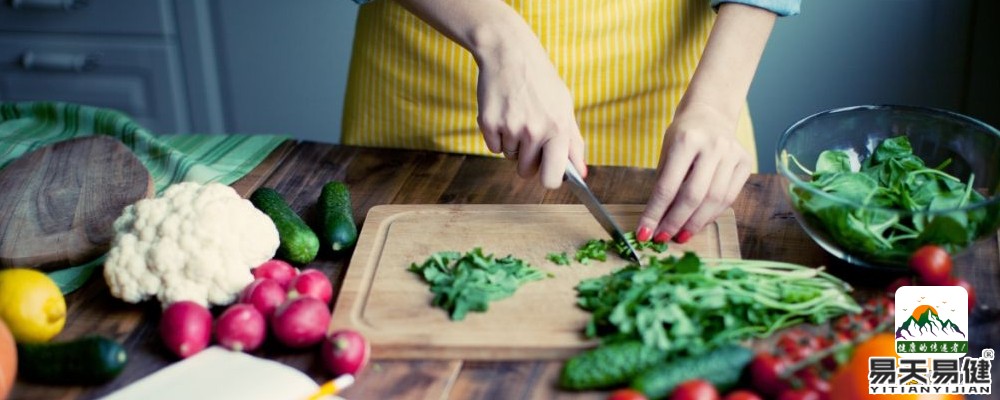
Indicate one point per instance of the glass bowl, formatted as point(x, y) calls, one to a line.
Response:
point(877, 217)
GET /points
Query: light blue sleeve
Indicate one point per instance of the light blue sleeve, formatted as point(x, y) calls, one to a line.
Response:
point(783, 8)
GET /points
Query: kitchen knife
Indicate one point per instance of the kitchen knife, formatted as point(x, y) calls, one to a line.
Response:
point(583, 193)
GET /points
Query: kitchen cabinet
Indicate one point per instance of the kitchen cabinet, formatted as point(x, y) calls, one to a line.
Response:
point(133, 56)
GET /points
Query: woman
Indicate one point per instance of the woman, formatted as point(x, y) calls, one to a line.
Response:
point(623, 82)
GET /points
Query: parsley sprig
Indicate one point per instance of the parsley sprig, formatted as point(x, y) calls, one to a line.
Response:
point(687, 305)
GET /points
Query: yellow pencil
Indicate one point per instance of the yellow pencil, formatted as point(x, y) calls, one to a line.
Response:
point(332, 387)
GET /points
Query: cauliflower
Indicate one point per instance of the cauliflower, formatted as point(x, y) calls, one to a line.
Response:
point(195, 242)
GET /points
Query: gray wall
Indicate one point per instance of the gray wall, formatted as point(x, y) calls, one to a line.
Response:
point(933, 53)
point(848, 52)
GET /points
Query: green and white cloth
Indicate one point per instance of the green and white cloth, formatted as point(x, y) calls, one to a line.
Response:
point(26, 126)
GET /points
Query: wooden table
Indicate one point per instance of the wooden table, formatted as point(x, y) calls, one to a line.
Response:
point(767, 230)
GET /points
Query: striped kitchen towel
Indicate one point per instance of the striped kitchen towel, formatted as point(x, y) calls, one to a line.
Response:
point(25, 126)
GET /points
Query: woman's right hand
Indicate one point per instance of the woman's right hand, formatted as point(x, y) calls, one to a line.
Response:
point(526, 110)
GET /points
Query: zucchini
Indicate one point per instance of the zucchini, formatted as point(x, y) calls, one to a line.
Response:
point(86, 361)
point(721, 367)
point(339, 231)
point(609, 365)
point(299, 244)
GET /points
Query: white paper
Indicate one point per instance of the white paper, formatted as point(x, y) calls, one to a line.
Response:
point(217, 373)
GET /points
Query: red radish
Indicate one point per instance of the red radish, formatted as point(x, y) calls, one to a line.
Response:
point(312, 283)
point(186, 328)
point(300, 322)
point(264, 294)
point(241, 328)
point(345, 352)
point(282, 272)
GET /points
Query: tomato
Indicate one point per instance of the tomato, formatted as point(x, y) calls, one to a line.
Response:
point(812, 380)
point(741, 395)
point(797, 345)
point(852, 325)
point(799, 394)
point(627, 394)
point(878, 310)
point(968, 288)
point(765, 374)
point(851, 380)
point(695, 389)
point(932, 264)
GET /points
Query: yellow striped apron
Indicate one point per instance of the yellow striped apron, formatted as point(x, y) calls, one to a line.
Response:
point(626, 63)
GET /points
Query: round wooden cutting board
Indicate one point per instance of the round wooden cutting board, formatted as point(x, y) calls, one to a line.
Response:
point(58, 203)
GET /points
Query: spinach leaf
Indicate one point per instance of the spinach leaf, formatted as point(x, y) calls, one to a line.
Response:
point(469, 282)
point(872, 217)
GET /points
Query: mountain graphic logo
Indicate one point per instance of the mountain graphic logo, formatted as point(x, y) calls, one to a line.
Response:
point(925, 322)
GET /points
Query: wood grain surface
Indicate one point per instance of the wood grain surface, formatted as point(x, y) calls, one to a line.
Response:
point(392, 307)
point(58, 203)
point(766, 228)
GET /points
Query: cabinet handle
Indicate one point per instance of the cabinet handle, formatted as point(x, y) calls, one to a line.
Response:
point(64, 62)
point(51, 5)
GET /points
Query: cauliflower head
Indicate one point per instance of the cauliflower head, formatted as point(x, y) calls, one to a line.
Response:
point(195, 242)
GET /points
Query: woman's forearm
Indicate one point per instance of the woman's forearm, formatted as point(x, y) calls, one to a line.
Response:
point(735, 45)
point(487, 29)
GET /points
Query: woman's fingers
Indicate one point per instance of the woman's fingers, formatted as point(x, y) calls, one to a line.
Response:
point(690, 196)
point(675, 164)
point(715, 201)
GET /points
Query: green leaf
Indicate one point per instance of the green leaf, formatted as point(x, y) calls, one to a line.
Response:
point(833, 161)
point(73, 278)
point(558, 258)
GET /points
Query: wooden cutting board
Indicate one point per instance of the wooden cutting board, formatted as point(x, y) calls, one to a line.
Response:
point(392, 307)
point(58, 203)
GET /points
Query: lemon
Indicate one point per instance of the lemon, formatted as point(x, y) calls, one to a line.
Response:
point(31, 305)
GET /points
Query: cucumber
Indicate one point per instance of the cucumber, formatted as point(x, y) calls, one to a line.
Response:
point(339, 231)
point(299, 244)
point(609, 365)
point(86, 361)
point(721, 367)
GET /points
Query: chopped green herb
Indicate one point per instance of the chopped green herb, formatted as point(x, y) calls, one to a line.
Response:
point(558, 258)
point(892, 178)
point(597, 249)
point(468, 282)
point(689, 306)
point(594, 249)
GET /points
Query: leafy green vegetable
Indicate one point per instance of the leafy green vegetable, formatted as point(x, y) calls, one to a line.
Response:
point(558, 258)
point(896, 182)
point(468, 282)
point(594, 249)
point(597, 249)
point(689, 306)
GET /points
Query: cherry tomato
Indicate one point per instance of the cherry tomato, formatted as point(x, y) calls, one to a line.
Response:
point(695, 389)
point(932, 264)
point(627, 394)
point(853, 325)
point(796, 345)
point(811, 379)
point(742, 395)
point(765, 374)
point(799, 394)
point(968, 288)
point(878, 310)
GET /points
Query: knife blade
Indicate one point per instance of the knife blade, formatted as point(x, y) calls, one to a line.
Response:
point(583, 193)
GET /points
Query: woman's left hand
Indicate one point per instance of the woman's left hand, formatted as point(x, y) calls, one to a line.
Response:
point(702, 169)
